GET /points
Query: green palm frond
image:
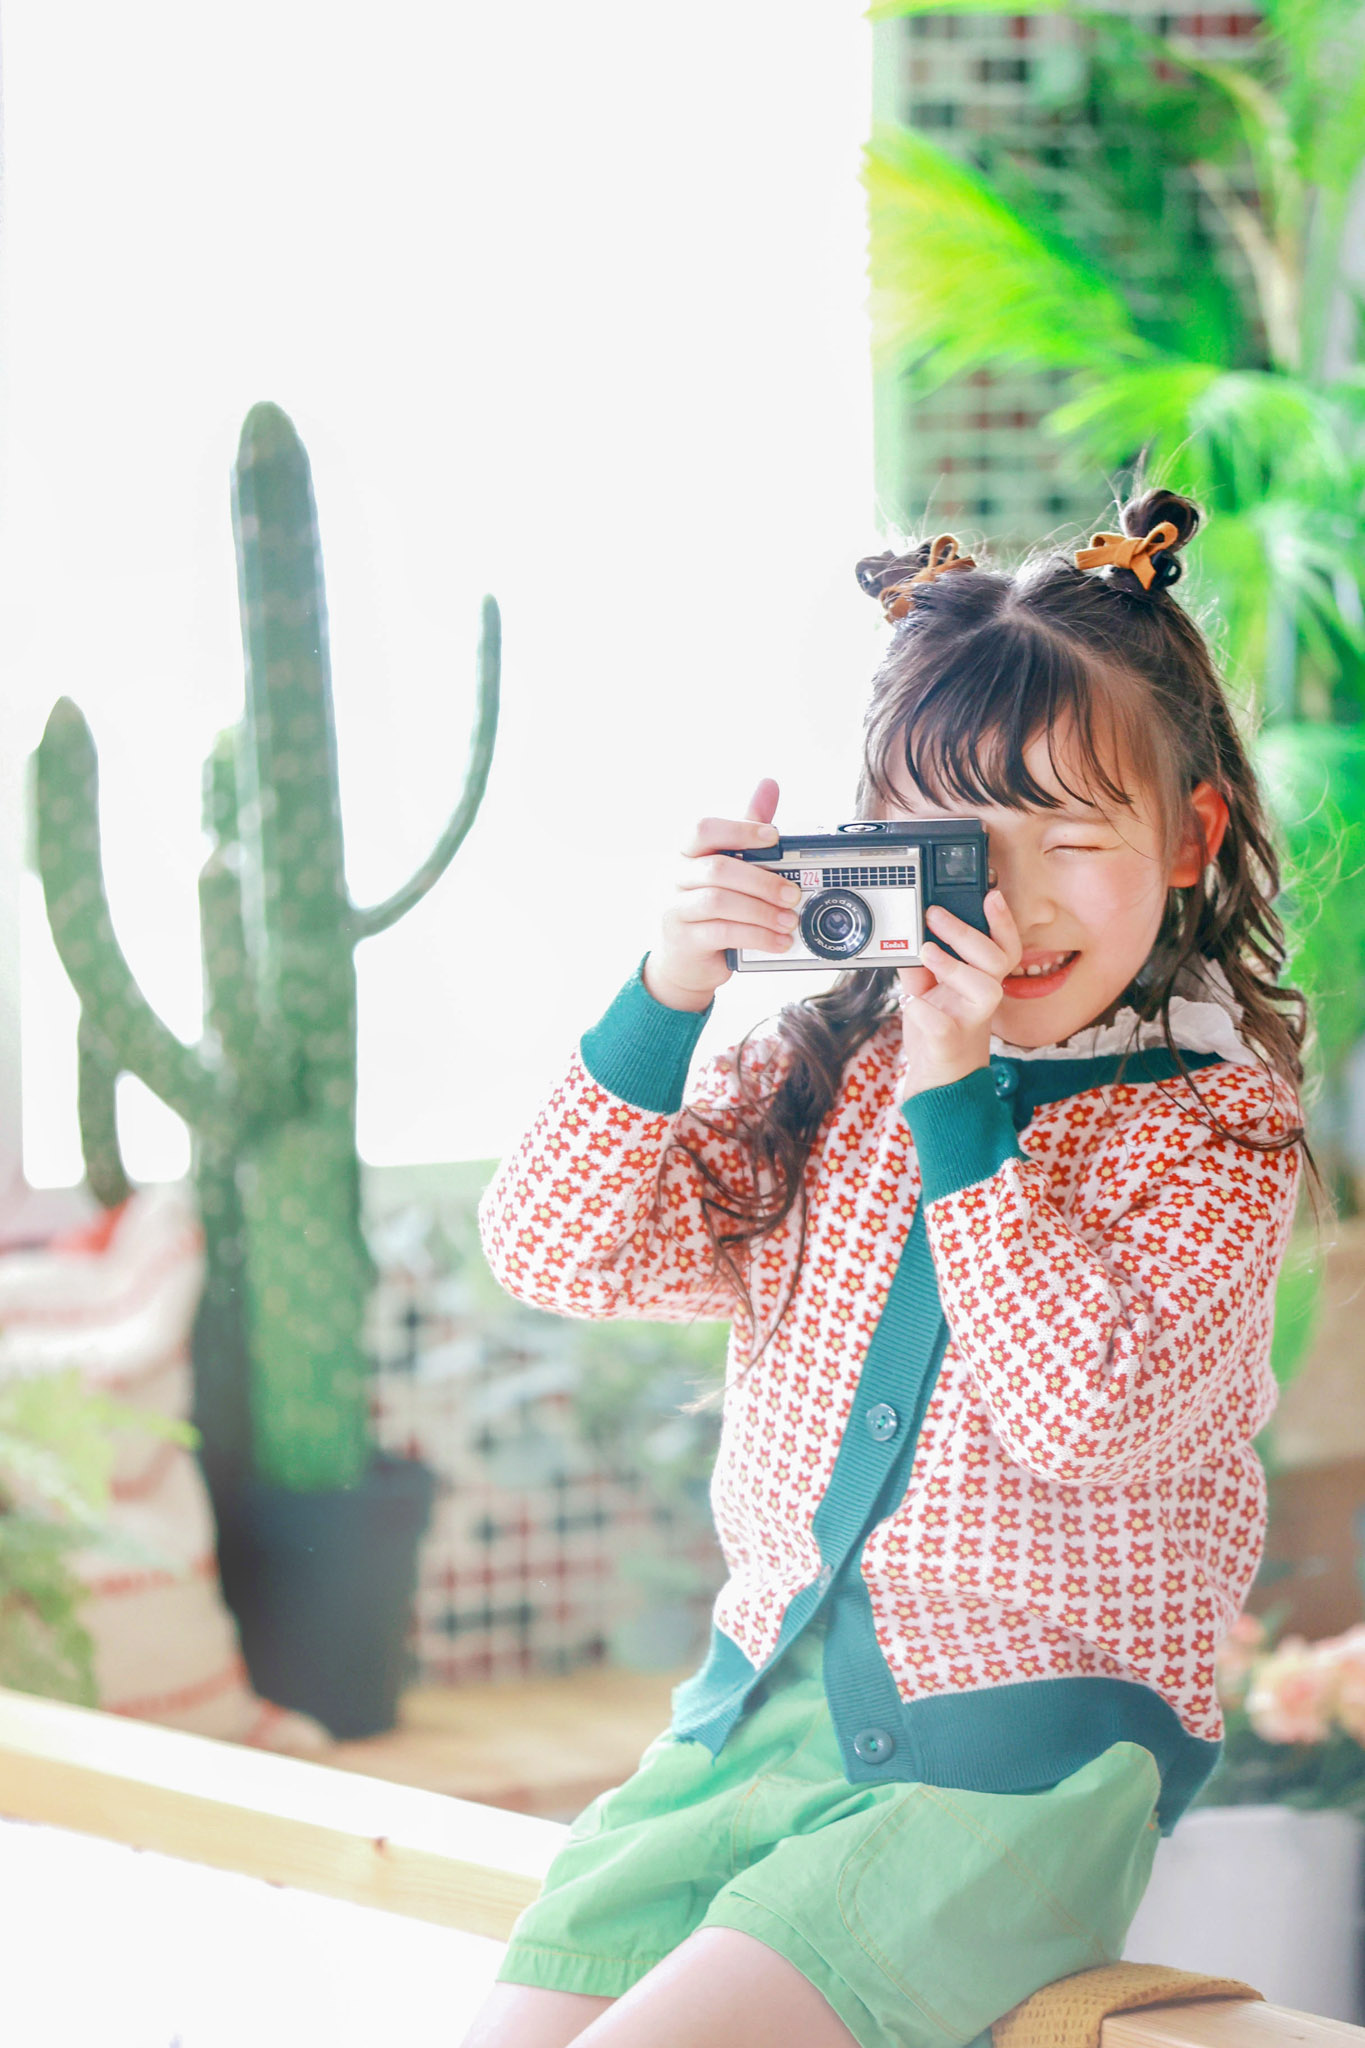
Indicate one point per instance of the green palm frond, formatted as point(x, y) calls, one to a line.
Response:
point(1113, 186)
point(1225, 589)
point(1299, 98)
point(1315, 779)
point(1305, 561)
point(1263, 434)
point(1335, 143)
point(962, 281)
point(1348, 390)
point(1309, 129)
point(1266, 127)
point(1227, 436)
point(1309, 115)
point(1114, 413)
point(1318, 47)
point(1279, 556)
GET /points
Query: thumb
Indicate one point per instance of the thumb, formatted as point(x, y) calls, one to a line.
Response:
point(763, 802)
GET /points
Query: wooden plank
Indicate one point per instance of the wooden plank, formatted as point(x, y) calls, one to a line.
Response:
point(1226, 2023)
point(294, 1823)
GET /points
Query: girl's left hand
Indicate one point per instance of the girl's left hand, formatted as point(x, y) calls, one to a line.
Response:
point(948, 1005)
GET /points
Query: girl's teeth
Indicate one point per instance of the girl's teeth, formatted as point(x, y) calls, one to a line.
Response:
point(1045, 966)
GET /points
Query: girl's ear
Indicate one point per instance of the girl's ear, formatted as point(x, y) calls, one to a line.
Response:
point(1212, 812)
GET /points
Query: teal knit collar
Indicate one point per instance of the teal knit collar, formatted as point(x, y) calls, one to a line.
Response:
point(1030, 1084)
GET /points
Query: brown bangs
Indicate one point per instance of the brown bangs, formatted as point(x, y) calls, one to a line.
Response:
point(963, 728)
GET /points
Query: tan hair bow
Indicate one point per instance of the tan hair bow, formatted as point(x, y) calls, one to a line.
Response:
point(897, 598)
point(1128, 552)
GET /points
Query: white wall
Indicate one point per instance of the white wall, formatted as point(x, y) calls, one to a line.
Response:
point(566, 304)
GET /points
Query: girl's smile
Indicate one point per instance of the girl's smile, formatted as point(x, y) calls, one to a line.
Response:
point(1039, 977)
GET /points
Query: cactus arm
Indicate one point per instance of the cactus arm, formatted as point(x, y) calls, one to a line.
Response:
point(96, 1107)
point(67, 794)
point(366, 923)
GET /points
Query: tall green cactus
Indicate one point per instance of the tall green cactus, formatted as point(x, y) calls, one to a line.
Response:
point(270, 1091)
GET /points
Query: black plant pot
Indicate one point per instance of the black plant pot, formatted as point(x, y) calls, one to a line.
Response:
point(322, 1584)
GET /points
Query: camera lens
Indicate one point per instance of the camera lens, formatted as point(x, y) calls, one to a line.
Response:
point(836, 924)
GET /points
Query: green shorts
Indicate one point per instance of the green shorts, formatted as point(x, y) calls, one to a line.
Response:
point(920, 1914)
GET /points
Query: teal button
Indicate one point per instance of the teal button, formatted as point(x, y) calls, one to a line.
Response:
point(873, 1745)
point(1006, 1079)
point(882, 1422)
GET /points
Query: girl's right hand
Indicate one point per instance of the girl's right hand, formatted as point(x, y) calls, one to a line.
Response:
point(721, 902)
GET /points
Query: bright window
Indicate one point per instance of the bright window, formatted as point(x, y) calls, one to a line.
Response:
point(567, 304)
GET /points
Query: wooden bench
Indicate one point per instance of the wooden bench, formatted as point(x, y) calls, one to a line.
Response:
point(421, 1854)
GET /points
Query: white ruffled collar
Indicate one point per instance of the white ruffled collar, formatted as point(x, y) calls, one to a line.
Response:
point(1204, 1016)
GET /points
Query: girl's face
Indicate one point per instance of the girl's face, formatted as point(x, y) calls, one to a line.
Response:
point(1087, 887)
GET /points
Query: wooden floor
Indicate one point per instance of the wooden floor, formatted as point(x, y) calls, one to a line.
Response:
point(536, 1745)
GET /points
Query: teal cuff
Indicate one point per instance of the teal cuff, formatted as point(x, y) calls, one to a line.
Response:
point(963, 1133)
point(641, 1050)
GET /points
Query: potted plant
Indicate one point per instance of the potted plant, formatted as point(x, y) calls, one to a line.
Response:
point(317, 1529)
point(1262, 1879)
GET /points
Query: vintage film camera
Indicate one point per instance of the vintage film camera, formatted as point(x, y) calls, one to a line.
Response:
point(865, 889)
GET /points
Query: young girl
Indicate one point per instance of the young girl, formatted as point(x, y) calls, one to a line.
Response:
point(998, 1236)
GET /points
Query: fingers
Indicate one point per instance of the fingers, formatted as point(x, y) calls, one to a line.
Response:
point(965, 992)
point(733, 896)
point(946, 1026)
point(969, 987)
point(763, 802)
point(996, 954)
point(929, 1022)
point(716, 934)
point(721, 874)
point(729, 835)
point(725, 904)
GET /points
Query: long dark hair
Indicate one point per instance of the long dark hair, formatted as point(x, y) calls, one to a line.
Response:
point(981, 664)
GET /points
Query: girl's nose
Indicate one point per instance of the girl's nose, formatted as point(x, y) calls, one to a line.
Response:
point(1026, 887)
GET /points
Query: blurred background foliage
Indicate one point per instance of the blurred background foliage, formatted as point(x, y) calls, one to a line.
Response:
point(639, 1398)
point(1223, 378)
point(643, 1394)
point(58, 1444)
